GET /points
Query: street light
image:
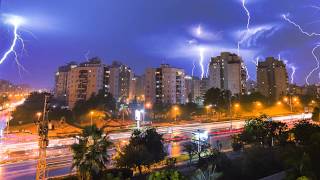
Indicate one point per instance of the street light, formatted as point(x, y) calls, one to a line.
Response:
point(91, 114)
point(236, 108)
point(290, 101)
point(279, 103)
point(38, 115)
point(175, 112)
point(148, 105)
point(259, 104)
point(208, 107)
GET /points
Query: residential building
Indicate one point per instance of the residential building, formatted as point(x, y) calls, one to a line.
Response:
point(84, 80)
point(119, 81)
point(61, 81)
point(7, 87)
point(165, 84)
point(227, 72)
point(139, 82)
point(193, 89)
point(272, 78)
point(251, 86)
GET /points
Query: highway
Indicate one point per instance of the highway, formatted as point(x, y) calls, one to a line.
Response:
point(61, 165)
point(60, 158)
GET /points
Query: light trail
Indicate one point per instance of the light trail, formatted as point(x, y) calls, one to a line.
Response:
point(285, 17)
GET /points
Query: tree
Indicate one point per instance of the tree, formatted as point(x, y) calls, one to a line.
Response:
point(259, 162)
point(99, 102)
point(26, 113)
point(90, 153)
point(135, 156)
point(316, 114)
point(3, 99)
point(303, 131)
point(166, 174)
point(160, 109)
point(246, 100)
point(144, 149)
point(191, 148)
point(206, 174)
point(188, 109)
point(262, 131)
point(220, 98)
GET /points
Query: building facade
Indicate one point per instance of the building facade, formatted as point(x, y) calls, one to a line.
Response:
point(165, 85)
point(272, 78)
point(61, 81)
point(119, 81)
point(227, 72)
point(84, 80)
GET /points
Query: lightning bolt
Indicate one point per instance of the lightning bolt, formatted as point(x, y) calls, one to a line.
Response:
point(285, 17)
point(201, 51)
point(207, 72)
point(193, 67)
point(243, 38)
point(256, 62)
point(86, 55)
point(15, 21)
point(248, 24)
point(291, 66)
point(317, 60)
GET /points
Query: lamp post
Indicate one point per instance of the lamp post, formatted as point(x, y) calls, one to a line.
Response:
point(236, 108)
point(290, 101)
point(175, 113)
point(91, 114)
point(38, 115)
point(208, 107)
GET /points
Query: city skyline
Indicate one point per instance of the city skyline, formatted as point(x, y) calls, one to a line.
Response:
point(55, 35)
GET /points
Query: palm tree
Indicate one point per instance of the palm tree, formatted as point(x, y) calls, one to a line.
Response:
point(206, 174)
point(90, 152)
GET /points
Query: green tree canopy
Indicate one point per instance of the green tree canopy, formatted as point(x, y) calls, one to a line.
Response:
point(303, 132)
point(246, 100)
point(90, 153)
point(26, 113)
point(3, 99)
point(263, 131)
point(144, 149)
point(99, 102)
point(219, 98)
point(166, 174)
point(316, 114)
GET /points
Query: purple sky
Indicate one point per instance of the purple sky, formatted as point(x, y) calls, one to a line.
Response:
point(144, 33)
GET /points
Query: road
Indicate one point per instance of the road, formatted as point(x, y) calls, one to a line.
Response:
point(61, 165)
point(60, 159)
